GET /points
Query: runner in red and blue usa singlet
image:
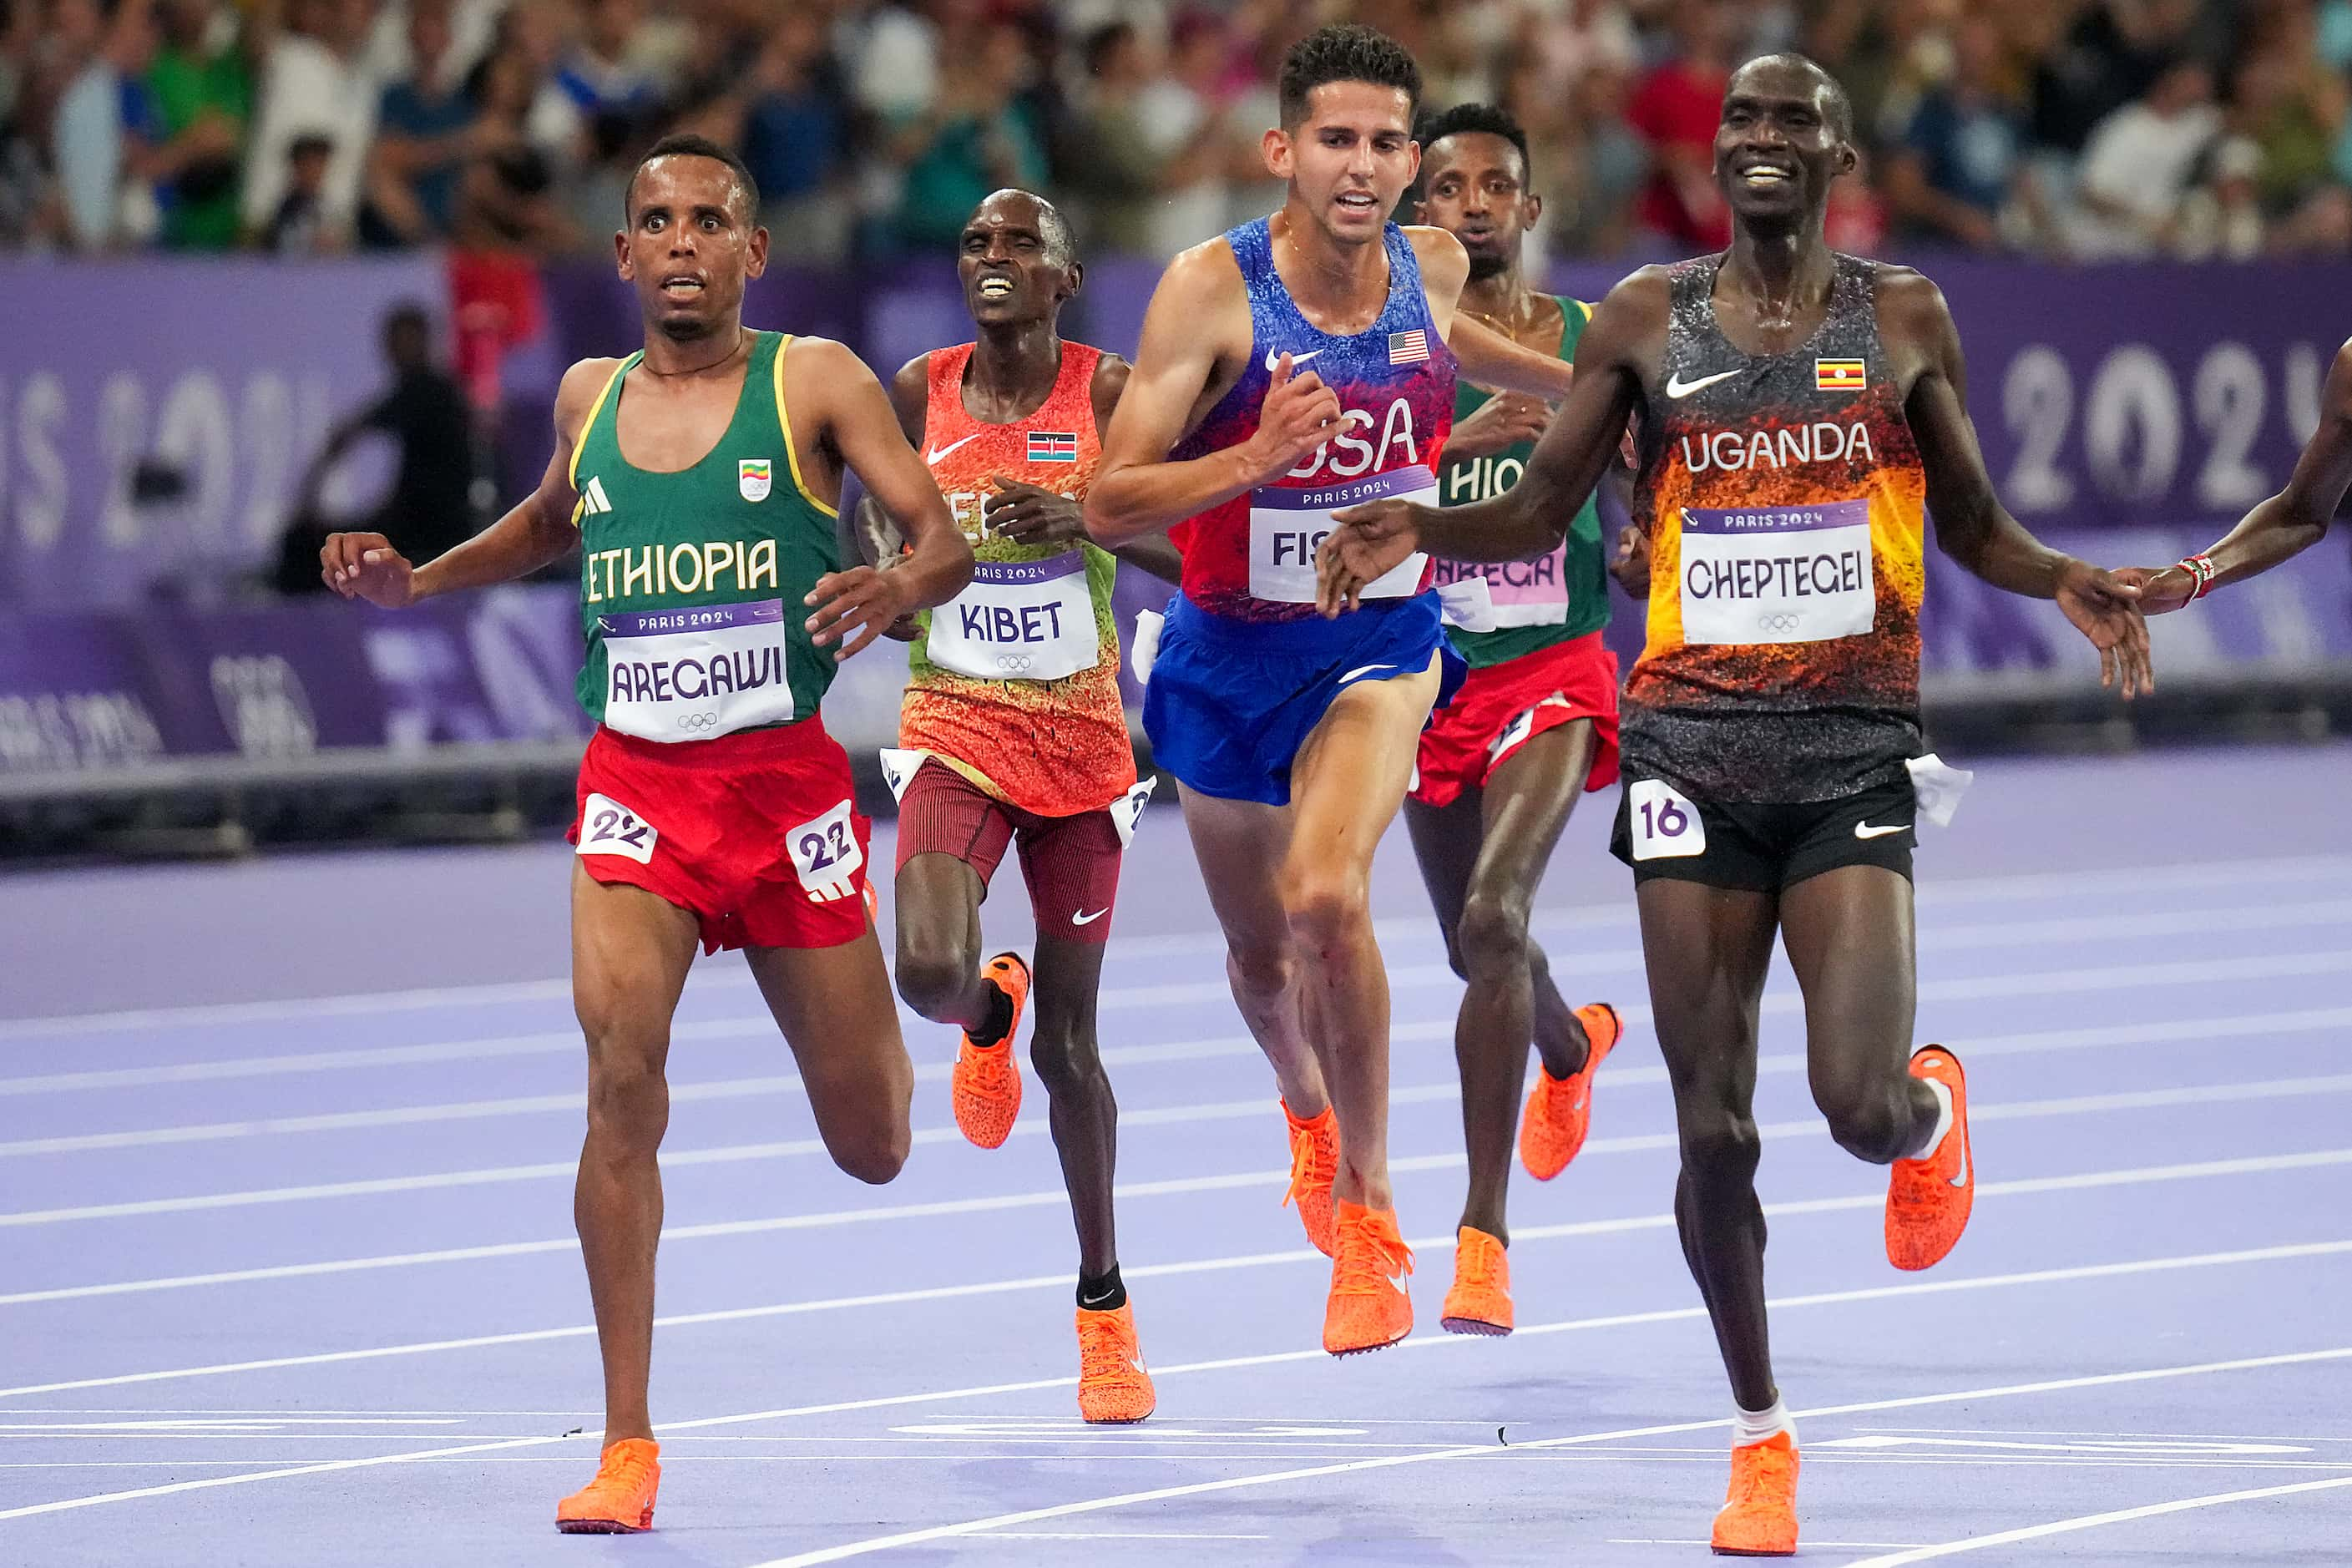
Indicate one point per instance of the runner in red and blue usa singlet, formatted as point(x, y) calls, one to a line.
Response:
point(1246, 667)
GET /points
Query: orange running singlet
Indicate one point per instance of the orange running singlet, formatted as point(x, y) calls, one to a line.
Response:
point(1785, 501)
point(1015, 681)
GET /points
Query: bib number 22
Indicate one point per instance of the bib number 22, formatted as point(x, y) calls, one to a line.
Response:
point(608, 828)
point(826, 854)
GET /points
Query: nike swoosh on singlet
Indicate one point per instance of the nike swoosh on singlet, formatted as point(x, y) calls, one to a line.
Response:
point(1865, 830)
point(1363, 670)
point(938, 452)
point(1677, 387)
point(1273, 359)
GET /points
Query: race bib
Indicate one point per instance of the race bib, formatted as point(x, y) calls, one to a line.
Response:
point(1938, 787)
point(1019, 620)
point(899, 769)
point(1127, 810)
point(1773, 574)
point(608, 828)
point(1666, 825)
point(1288, 525)
point(1523, 593)
point(688, 675)
point(826, 854)
point(1145, 651)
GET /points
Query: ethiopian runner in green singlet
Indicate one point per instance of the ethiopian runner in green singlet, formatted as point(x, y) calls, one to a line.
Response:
point(700, 478)
point(1533, 728)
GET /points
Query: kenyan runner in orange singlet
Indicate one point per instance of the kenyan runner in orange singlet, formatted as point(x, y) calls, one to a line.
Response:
point(698, 478)
point(1012, 733)
point(1798, 409)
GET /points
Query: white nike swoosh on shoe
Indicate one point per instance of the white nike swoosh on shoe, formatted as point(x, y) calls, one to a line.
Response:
point(1961, 1177)
point(1083, 919)
point(1397, 1281)
point(938, 452)
point(1136, 1363)
point(1363, 670)
point(1865, 830)
point(1676, 387)
point(1273, 359)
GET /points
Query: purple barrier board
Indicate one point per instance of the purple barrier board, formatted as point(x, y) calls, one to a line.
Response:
point(231, 373)
point(116, 689)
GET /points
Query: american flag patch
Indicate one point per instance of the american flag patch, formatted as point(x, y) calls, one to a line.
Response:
point(1408, 348)
point(1053, 446)
point(1838, 375)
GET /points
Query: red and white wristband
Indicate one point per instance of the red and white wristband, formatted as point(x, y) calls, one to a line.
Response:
point(2201, 567)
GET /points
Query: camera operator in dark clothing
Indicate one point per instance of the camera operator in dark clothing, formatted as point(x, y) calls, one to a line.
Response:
point(430, 505)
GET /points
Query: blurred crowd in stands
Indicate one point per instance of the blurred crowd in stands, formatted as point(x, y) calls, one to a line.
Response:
point(2061, 129)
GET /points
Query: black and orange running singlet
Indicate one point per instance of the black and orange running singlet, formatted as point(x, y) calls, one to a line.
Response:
point(1784, 500)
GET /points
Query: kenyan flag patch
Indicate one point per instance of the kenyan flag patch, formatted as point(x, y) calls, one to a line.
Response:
point(1053, 446)
point(754, 478)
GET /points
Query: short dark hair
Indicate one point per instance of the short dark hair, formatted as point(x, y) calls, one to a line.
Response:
point(689, 146)
point(1346, 52)
point(1052, 227)
point(1839, 106)
point(1486, 118)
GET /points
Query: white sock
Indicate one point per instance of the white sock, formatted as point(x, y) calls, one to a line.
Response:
point(1944, 1118)
point(1756, 1426)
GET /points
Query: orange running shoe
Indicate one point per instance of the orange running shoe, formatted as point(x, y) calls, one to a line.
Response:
point(987, 1079)
point(1480, 1301)
point(1314, 1163)
point(1559, 1110)
point(620, 1500)
point(873, 906)
point(1370, 1309)
point(1758, 1516)
point(1114, 1389)
point(1929, 1198)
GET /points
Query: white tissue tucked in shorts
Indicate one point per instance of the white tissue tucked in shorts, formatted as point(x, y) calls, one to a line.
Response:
point(1146, 647)
point(1938, 787)
point(1467, 604)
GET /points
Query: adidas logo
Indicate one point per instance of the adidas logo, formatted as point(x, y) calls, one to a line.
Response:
point(593, 498)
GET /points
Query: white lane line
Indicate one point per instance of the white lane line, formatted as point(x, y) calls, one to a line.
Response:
point(2094, 1521)
point(992, 1390)
point(2079, 1182)
point(2294, 916)
point(2032, 1043)
point(2225, 971)
point(1117, 1535)
point(2331, 869)
point(2135, 1099)
point(1487, 1450)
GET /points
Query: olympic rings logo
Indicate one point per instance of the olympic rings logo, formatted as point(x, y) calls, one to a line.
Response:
point(1785, 622)
point(698, 720)
point(1014, 663)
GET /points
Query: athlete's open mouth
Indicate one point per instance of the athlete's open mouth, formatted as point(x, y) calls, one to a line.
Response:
point(1766, 176)
point(1358, 201)
point(683, 285)
point(994, 289)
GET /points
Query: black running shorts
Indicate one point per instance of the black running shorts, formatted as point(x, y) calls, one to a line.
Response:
point(1761, 847)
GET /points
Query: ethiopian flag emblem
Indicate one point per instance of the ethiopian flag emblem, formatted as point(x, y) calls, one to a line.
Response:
point(753, 478)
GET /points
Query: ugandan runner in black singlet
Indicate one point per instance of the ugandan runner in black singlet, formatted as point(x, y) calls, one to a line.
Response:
point(1800, 413)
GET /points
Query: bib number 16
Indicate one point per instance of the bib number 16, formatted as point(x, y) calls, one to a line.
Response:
point(1666, 825)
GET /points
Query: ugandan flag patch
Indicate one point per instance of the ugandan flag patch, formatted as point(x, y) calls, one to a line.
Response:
point(1838, 375)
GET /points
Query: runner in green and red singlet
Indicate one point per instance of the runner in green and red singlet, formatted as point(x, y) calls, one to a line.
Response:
point(700, 478)
point(1532, 728)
